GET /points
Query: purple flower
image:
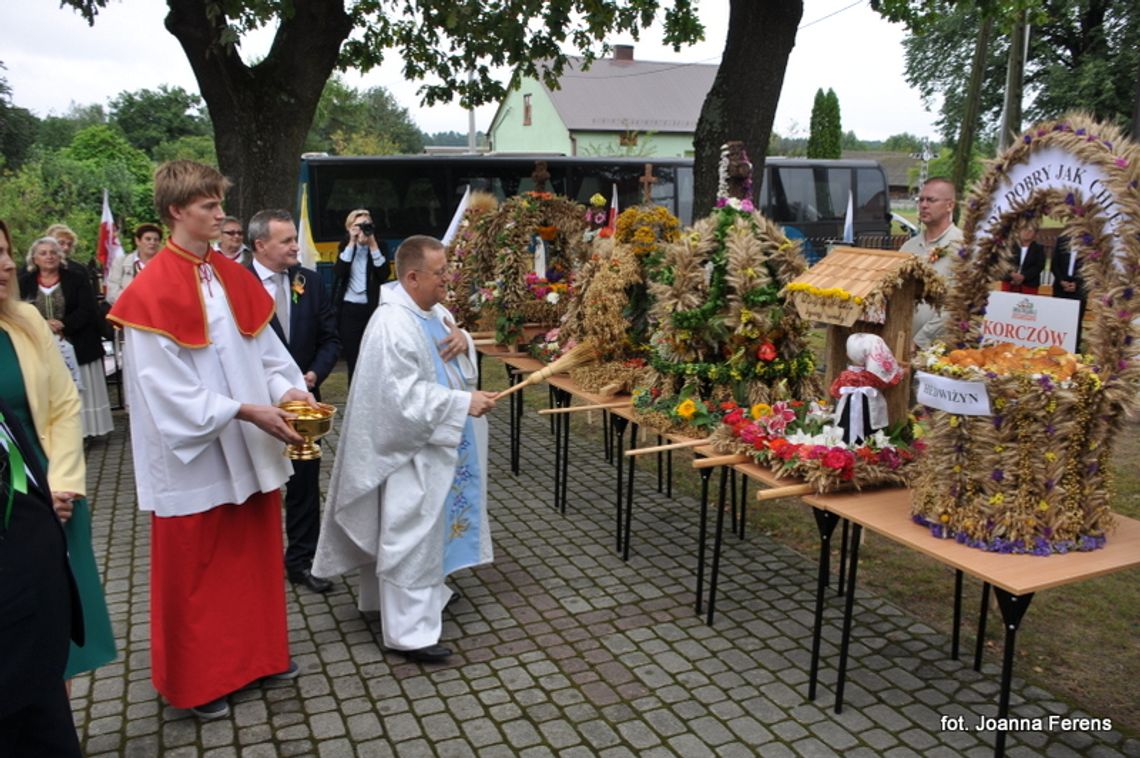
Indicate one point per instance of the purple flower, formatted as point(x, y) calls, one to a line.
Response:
point(1049, 484)
point(1092, 468)
point(1121, 161)
point(1086, 238)
point(1050, 429)
point(1046, 383)
point(1041, 132)
point(998, 475)
point(1080, 132)
point(721, 202)
point(1070, 199)
point(1027, 139)
point(1127, 294)
point(997, 422)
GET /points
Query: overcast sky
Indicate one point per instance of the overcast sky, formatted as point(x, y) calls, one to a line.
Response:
point(53, 59)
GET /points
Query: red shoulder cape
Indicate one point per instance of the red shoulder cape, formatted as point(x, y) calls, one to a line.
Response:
point(165, 297)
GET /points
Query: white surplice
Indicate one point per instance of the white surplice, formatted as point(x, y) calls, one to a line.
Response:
point(190, 452)
point(396, 461)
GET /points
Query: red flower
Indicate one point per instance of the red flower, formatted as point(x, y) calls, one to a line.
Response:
point(767, 352)
point(796, 403)
point(788, 452)
point(735, 418)
point(836, 459)
point(728, 406)
point(655, 392)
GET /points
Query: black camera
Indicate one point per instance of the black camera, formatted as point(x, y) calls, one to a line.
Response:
point(366, 230)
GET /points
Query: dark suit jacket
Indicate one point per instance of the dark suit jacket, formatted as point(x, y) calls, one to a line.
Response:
point(39, 603)
point(1060, 269)
point(82, 321)
point(313, 341)
point(377, 275)
point(1032, 266)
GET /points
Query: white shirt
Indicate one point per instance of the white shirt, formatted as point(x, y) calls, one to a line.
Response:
point(271, 280)
point(357, 290)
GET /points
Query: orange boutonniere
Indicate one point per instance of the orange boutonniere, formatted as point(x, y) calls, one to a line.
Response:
point(298, 287)
point(937, 254)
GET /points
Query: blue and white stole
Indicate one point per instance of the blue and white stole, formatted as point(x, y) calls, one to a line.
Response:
point(463, 506)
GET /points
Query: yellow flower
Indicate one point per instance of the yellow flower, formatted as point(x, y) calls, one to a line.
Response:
point(1042, 506)
point(1050, 456)
point(999, 448)
point(997, 499)
point(944, 518)
point(954, 421)
point(686, 409)
point(957, 469)
point(760, 410)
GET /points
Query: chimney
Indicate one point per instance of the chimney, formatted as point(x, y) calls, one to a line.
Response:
point(623, 52)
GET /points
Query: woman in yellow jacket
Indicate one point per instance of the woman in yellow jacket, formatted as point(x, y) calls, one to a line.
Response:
point(36, 383)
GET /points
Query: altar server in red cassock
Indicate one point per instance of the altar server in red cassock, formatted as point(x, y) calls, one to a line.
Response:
point(204, 374)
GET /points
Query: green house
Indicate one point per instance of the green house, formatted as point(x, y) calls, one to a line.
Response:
point(619, 106)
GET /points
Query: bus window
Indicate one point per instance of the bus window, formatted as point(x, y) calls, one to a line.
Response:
point(794, 196)
point(833, 185)
point(871, 202)
point(684, 192)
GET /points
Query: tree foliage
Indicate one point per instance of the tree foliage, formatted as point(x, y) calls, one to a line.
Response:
point(349, 122)
point(261, 113)
point(151, 117)
point(826, 137)
point(1083, 54)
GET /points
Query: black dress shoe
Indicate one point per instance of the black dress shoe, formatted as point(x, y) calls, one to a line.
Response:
point(306, 578)
point(431, 654)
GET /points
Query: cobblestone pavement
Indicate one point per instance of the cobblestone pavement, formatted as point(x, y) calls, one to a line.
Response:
point(564, 649)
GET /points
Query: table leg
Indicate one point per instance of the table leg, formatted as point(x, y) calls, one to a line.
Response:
point(718, 538)
point(553, 403)
point(564, 433)
point(705, 474)
point(983, 612)
point(478, 370)
point(607, 437)
point(825, 521)
point(629, 497)
point(743, 505)
point(668, 473)
point(559, 399)
point(516, 419)
point(660, 469)
point(842, 561)
point(1013, 608)
point(954, 637)
point(732, 477)
point(619, 425)
point(848, 613)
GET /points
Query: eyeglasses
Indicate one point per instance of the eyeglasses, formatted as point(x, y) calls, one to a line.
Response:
point(437, 274)
point(233, 232)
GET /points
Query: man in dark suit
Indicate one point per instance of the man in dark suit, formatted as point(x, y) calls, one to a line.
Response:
point(1067, 280)
point(305, 323)
point(39, 606)
point(360, 269)
point(1028, 258)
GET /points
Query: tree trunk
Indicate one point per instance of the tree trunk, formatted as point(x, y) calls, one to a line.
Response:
point(261, 113)
point(1014, 78)
point(742, 102)
point(965, 149)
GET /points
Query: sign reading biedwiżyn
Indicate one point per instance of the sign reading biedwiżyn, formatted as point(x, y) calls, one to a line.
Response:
point(952, 395)
point(1031, 320)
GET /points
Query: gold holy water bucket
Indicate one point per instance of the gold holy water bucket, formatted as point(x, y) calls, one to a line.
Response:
point(312, 424)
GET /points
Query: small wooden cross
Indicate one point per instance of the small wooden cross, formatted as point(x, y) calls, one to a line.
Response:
point(540, 176)
point(647, 181)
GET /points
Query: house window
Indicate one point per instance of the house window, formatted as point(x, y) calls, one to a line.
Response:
point(628, 139)
point(526, 110)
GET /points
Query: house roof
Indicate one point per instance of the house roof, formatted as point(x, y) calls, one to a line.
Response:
point(644, 96)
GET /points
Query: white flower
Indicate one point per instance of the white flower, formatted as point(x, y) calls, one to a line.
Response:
point(880, 441)
point(552, 298)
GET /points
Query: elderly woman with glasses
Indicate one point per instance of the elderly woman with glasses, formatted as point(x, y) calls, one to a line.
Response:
point(65, 299)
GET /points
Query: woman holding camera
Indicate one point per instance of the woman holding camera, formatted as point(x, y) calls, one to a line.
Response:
point(357, 275)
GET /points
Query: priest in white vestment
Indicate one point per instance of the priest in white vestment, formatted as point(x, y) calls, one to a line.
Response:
point(406, 504)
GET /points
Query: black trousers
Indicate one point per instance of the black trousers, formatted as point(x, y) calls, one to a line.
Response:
point(302, 515)
point(351, 324)
point(43, 729)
